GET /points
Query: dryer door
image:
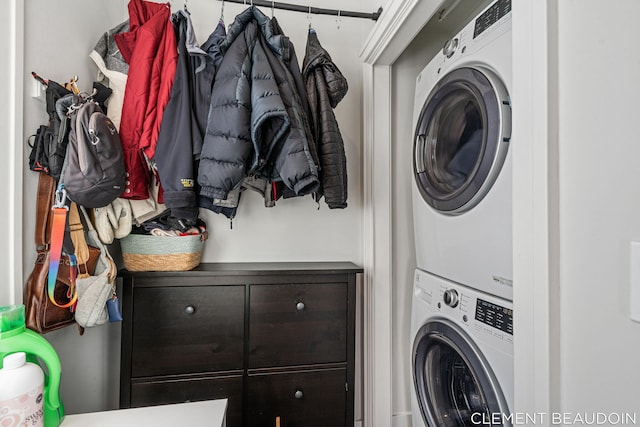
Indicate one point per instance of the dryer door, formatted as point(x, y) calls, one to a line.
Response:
point(454, 384)
point(461, 139)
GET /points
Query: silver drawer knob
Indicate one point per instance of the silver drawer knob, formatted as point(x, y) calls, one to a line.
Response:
point(189, 309)
point(298, 394)
point(300, 306)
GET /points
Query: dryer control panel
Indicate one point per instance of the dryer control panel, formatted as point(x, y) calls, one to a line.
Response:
point(490, 16)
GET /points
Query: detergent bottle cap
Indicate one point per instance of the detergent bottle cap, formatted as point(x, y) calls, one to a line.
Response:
point(11, 318)
point(14, 360)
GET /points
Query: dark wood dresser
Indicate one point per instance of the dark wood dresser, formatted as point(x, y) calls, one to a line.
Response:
point(276, 339)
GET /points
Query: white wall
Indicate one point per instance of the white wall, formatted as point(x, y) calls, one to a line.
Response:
point(294, 230)
point(599, 176)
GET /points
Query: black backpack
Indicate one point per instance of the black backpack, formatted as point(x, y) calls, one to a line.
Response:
point(94, 173)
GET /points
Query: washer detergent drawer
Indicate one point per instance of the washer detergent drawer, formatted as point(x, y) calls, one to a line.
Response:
point(173, 330)
point(299, 399)
point(297, 324)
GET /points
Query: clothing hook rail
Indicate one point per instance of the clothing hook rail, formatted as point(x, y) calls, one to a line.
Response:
point(312, 10)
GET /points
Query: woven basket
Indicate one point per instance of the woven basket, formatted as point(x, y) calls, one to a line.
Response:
point(141, 252)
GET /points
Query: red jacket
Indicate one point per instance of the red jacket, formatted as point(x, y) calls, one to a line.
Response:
point(150, 49)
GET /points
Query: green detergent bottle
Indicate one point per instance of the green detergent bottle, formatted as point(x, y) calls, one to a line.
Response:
point(15, 337)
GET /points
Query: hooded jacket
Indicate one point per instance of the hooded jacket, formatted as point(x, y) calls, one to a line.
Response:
point(326, 86)
point(185, 117)
point(252, 128)
point(149, 47)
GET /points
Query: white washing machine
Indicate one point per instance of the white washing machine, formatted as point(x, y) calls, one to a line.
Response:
point(462, 201)
point(461, 355)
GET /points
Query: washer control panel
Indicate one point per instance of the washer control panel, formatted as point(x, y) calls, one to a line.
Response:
point(488, 318)
point(494, 315)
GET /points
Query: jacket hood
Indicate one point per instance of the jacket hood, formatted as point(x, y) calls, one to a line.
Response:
point(241, 21)
point(108, 50)
point(212, 45)
point(191, 42)
point(317, 57)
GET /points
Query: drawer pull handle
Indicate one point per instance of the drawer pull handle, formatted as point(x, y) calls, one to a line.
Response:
point(300, 306)
point(189, 309)
point(298, 394)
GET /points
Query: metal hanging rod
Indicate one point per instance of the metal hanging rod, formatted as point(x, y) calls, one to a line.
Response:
point(307, 9)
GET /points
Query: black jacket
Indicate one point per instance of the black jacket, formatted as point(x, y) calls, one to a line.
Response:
point(254, 126)
point(325, 87)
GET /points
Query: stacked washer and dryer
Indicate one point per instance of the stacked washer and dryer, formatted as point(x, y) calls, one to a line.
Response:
point(462, 310)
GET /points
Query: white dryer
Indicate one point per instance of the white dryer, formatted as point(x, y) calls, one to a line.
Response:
point(461, 355)
point(462, 201)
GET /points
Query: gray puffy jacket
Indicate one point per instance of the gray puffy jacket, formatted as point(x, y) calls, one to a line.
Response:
point(251, 128)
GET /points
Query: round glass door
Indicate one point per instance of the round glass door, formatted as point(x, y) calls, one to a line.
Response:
point(454, 384)
point(461, 139)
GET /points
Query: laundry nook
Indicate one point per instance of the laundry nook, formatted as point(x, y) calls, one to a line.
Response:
point(347, 213)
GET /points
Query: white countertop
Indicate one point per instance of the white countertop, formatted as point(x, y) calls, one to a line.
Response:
point(209, 413)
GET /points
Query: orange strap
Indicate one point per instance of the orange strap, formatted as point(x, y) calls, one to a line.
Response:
point(57, 236)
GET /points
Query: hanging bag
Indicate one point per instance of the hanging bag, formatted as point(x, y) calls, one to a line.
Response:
point(94, 292)
point(41, 314)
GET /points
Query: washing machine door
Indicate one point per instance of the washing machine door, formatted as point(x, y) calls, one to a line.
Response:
point(461, 139)
point(454, 384)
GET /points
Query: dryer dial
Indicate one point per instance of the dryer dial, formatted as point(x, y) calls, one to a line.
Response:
point(451, 298)
point(450, 47)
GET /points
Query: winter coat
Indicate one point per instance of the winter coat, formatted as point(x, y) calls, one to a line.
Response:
point(290, 60)
point(326, 86)
point(250, 128)
point(184, 123)
point(290, 162)
point(149, 47)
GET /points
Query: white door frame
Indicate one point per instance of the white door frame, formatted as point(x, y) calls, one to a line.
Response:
point(11, 129)
point(536, 352)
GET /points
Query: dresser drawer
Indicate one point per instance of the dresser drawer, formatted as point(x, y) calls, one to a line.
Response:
point(182, 330)
point(297, 324)
point(300, 399)
point(147, 393)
